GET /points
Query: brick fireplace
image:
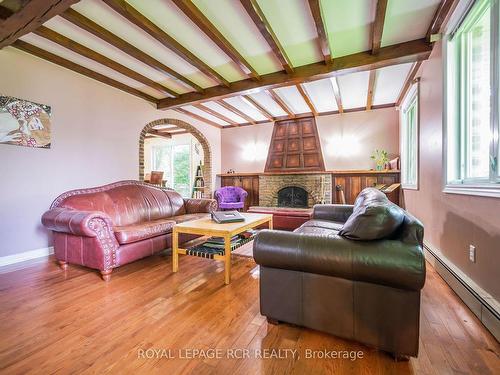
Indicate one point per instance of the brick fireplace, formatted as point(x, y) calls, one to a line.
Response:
point(317, 185)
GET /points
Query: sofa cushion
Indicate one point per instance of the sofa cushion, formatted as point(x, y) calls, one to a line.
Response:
point(148, 229)
point(374, 217)
point(333, 225)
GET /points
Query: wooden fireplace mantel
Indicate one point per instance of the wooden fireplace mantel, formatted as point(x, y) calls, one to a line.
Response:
point(334, 172)
point(351, 182)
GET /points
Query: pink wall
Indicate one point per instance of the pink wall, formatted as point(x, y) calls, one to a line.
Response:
point(94, 141)
point(347, 141)
point(452, 222)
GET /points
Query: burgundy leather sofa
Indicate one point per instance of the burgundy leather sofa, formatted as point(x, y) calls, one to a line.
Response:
point(112, 225)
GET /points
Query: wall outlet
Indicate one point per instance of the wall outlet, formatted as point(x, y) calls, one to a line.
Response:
point(472, 253)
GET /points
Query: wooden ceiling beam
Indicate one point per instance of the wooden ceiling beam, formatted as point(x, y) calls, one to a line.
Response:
point(336, 94)
point(324, 46)
point(401, 53)
point(307, 99)
point(235, 110)
point(157, 133)
point(31, 16)
point(214, 113)
point(36, 51)
point(132, 15)
point(408, 82)
point(275, 96)
point(260, 20)
point(198, 117)
point(199, 19)
point(90, 26)
point(371, 86)
point(378, 25)
point(252, 102)
point(445, 8)
point(101, 59)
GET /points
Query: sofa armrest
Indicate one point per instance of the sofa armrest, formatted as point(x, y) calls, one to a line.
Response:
point(79, 223)
point(200, 205)
point(332, 212)
point(386, 262)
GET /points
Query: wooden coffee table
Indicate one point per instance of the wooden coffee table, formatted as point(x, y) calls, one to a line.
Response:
point(208, 227)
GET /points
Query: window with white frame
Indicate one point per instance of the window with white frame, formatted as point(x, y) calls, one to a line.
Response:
point(472, 103)
point(409, 139)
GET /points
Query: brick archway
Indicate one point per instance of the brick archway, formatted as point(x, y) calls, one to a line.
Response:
point(207, 155)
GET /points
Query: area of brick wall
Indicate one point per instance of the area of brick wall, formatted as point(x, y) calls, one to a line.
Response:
point(318, 187)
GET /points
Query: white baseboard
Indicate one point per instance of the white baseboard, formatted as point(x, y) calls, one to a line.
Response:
point(27, 255)
point(482, 304)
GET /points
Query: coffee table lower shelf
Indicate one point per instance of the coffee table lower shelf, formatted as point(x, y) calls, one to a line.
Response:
point(206, 227)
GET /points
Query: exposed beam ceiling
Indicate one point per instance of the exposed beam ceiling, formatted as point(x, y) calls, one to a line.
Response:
point(336, 94)
point(231, 108)
point(32, 15)
point(303, 115)
point(27, 47)
point(97, 57)
point(198, 18)
point(307, 99)
point(214, 113)
point(445, 8)
point(135, 17)
point(371, 86)
point(274, 95)
point(411, 51)
point(100, 32)
point(258, 17)
point(197, 117)
point(378, 25)
point(408, 82)
point(315, 7)
point(252, 102)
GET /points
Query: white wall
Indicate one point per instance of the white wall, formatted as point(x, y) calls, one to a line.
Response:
point(347, 140)
point(95, 134)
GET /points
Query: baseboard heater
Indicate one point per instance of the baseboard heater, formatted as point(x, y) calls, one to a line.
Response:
point(491, 322)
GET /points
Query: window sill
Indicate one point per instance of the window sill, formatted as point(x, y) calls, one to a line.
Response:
point(492, 190)
point(409, 187)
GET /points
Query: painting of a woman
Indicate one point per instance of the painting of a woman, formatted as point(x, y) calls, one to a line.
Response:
point(24, 123)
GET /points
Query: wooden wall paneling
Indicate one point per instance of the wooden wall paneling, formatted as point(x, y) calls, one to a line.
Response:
point(295, 146)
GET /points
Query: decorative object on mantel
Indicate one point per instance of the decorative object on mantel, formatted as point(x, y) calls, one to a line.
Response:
point(381, 159)
point(24, 123)
point(394, 163)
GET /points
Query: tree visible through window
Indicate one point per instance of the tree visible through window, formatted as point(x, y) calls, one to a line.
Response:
point(409, 139)
point(472, 115)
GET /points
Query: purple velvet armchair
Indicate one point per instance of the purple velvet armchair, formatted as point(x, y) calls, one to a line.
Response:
point(231, 197)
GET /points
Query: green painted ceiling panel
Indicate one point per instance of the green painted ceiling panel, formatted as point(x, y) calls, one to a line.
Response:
point(238, 28)
point(293, 24)
point(348, 24)
point(167, 16)
point(407, 20)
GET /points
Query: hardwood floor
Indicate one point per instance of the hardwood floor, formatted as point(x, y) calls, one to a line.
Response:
point(72, 322)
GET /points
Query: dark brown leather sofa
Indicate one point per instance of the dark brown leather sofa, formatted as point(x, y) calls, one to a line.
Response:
point(352, 271)
point(112, 225)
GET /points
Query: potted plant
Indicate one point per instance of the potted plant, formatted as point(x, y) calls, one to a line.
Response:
point(381, 159)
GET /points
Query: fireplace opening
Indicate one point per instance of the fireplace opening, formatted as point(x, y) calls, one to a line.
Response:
point(292, 196)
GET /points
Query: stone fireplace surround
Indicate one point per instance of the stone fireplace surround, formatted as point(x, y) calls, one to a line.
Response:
point(317, 185)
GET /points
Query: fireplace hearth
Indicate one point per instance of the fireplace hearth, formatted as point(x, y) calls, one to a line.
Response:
point(292, 196)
